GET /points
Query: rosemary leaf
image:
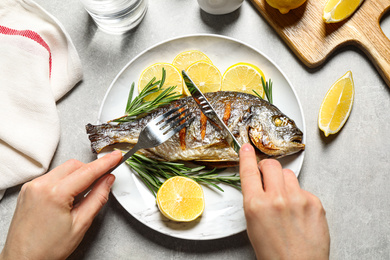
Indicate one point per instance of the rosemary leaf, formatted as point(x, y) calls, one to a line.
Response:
point(130, 97)
point(270, 91)
point(209, 183)
point(257, 94)
point(163, 76)
point(267, 86)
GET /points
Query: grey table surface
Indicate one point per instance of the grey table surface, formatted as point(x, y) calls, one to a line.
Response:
point(349, 171)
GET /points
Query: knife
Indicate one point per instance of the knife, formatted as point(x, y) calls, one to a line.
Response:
point(210, 113)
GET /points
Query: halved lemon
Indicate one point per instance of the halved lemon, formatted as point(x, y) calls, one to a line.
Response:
point(243, 77)
point(205, 75)
point(338, 10)
point(180, 199)
point(284, 6)
point(173, 78)
point(184, 59)
point(337, 105)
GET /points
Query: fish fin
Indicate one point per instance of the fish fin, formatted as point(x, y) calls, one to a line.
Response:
point(151, 154)
point(217, 164)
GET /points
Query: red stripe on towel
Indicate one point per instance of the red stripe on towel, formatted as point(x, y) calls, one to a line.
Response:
point(29, 34)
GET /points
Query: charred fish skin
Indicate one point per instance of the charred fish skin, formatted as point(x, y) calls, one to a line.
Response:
point(249, 118)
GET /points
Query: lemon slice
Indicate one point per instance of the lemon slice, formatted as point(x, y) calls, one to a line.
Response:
point(180, 199)
point(338, 10)
point(184, 59)
point(205, 75)
point(337, 105)
point(243, 77)
point(173, 78)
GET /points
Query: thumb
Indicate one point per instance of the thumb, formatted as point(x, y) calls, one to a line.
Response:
point(86, 211)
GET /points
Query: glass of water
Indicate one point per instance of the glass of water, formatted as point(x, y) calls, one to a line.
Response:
point(116, 16)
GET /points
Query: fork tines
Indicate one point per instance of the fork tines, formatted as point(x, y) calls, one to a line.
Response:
point(175, 122)
point(180, 126)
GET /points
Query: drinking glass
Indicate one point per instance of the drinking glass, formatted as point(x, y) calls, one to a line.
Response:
point(116, 16)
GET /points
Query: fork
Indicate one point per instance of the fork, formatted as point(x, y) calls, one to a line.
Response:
point(159, 131)
point(153, 134)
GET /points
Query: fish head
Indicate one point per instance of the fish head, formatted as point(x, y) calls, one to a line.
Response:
point(273, 133)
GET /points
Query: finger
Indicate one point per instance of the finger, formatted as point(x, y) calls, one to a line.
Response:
point(272, 175)
point(64, 169)
point(249, 173)
point(315, 203)
point(87, 209)
point(291, 181)
point(311, 196)
point(81, 179)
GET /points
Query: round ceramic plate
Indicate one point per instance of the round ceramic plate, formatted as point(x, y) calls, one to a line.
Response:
point(223, 215)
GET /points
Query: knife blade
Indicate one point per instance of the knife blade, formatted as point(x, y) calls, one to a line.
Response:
point(210, 113)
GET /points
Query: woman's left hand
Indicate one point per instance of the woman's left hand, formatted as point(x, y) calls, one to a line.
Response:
point(46, 223)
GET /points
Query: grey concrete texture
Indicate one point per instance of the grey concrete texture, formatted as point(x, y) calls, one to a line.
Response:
point(349, 171)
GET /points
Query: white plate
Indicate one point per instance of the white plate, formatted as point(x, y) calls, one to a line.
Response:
point(223, 215)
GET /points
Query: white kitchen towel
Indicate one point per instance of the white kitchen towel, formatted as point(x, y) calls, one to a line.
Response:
point(38, 65)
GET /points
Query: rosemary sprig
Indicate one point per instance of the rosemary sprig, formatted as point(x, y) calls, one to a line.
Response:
point(267, 86)
point(138, 106)
point(153, 173)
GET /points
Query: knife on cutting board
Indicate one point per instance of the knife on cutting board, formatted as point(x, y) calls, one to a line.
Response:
point(208, 110)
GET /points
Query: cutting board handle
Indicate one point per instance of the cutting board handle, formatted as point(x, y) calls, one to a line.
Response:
point(377, 46)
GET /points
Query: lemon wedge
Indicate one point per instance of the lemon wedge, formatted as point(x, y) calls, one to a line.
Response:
point(243, 77)
point(338, 10)
point(173, 78)
point(205, 75)
point(337, 105)
point(184, 59)
point(180, 199)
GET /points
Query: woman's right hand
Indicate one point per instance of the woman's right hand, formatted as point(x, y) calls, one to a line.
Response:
point(283, 221)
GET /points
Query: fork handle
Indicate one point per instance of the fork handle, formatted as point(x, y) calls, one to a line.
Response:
point(126, 156)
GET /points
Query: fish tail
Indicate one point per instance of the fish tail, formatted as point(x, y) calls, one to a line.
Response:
point(103, 135)
point(97, 134)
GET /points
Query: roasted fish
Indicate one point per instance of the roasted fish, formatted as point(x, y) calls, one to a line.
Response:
point(248, 117)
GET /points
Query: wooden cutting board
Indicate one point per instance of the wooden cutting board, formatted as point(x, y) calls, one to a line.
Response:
point(313, 40)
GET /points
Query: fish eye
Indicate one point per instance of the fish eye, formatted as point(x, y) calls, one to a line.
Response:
point(281, 121)
point(278, 122)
